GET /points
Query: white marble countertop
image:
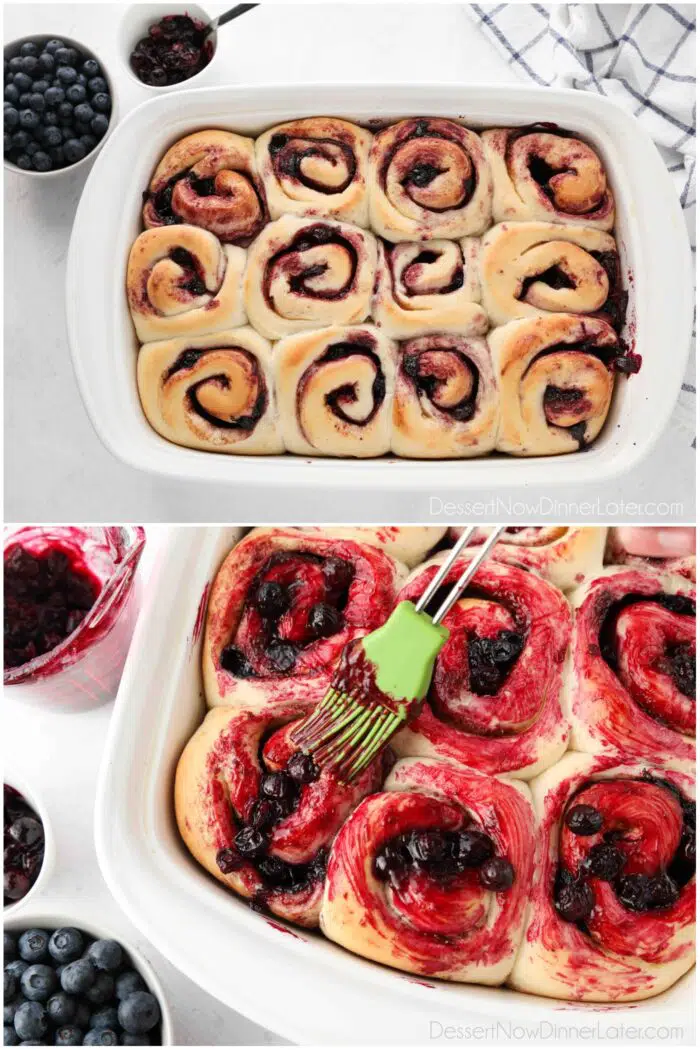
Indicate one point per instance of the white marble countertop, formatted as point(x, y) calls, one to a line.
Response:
point(58, 756)
point(56, 467)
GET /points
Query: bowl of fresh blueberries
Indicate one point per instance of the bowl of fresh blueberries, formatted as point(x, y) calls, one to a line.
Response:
point(72, 984)
point(58, 105)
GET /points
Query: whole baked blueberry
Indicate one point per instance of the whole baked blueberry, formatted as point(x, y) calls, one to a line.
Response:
point(497, 874)
point(584, 820)
point(139, 1013)
point(33, 945)
point(38, 982)
point(66, 944)
point(574, 900)
point(78, 977)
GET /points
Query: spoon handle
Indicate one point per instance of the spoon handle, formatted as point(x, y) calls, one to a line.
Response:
point(228, 16)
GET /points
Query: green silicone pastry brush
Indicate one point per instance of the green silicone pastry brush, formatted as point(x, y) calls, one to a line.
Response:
point(383, 679)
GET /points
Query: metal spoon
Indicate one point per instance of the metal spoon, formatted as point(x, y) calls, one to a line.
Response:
point(227, 16)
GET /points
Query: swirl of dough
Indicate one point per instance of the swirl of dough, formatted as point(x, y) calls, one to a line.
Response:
point(428, 177)
point(611, 916)
point(181, 281)
point(303, 275)
point(632, 689)
point(213, 392)
point(556, 382)
point(553, 177)
point(406, 885)
point(446, 403)
point(335, 389)
point(429, 288)
point(534, 268)
point(316, 166)
point(208, 179)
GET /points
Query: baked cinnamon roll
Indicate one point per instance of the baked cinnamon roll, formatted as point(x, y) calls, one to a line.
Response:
point(632, 684)
point(316, 166)
point(534, 268)
point(335, 389)
point(428, 177)
point(432, 874)
point(429, 288)
point(556, 382)
point(208, 179)
point(282, 608)
point(611, 912)
point(303, 274)
point(446, 403)
point(181, 281)
point(213, 392)
point(617, 554)
point(257, 813)
point(542, 174)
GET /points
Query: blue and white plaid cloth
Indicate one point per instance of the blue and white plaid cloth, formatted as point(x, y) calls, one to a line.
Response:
point(640, 55)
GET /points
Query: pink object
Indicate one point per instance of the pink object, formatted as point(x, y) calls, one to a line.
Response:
point(84, 669)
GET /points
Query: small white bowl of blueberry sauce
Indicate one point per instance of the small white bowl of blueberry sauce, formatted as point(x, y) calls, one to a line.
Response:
point(59, 105)
point(164, 46)
point(28, 844)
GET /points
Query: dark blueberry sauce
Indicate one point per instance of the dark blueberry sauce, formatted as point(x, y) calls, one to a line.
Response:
point(287, 157)
point(346, 393)
point(174, 50)
point(465, 409)
point(23, 846)
point(443, 855)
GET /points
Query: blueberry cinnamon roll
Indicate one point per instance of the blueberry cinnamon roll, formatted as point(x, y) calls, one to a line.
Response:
point(632, 684)
point(446, 404)
point(429, 288)
point(542, 174)
point(213, 392)
point(495, 698)
point(335, 389)
point(611, 913)
point(303, 274)
point(181, 281)
point(529, 269)
point(556, 376)
point(428, 177)
point(432, 874)
point(316, 166)
point(282, 608)
point(409, 544)
point(617, 554)
point(208, 179)
point(258, 814)
point(562, 554)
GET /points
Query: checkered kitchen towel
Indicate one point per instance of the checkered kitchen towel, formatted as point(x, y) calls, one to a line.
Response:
point(640, 55)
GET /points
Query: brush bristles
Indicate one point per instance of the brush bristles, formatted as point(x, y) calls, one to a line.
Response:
point(344, 735)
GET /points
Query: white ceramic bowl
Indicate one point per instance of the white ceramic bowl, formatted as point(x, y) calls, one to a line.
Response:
point(293, 981)
point(37, 804)
point(50, 918)
point(12, 49)
point(134, 26)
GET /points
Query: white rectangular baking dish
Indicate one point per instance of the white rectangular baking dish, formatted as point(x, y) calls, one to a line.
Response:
point(650, 231)
point(294, 982)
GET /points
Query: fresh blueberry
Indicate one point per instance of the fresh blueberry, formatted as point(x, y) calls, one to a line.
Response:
point(57, 157)
point(38, 981)
point(32, 147)
point(101, 1037)
point(30, 65)
point(47, 62)
point(84, 112)
point(66, 56)
point(42, 86)
point(76, 93)
point(9, 1010)
point(66, 944)
point(67, 132)
point(29, 49)
point(9, 1036)
point(73, 150)
point(139, 1013)
point(11, 117)
point(16, 967)
point(99, 125)
point(37, 102)
point(83, 1014)
point(15, 64)
point(127, 983)
point(24, 100)
point(22, 82)
point(97, 85)
point(106, 955)
point(101, 102)
point(78, 977)
point(89, 141)
point(68, 1035)
point(52, 46)
point(6, 142)
point(90, 67)
point(12, 93)
point(9, 946)
point(9, 985)
point(31, 1021)
point(33, 946)
point(61, 1009)
point(66, 75)
point(126, 1039)
point(52, 136)
point(28, 119)
point(20, 139)
point(102, 990)
point(105, 1018)
point(54, 96)
point(50, 119)
point(42, 161)
point(24, 161)
point(65, 109)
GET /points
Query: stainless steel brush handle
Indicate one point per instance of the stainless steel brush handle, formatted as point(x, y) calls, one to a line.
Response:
point(442, 572)
point(468, 573)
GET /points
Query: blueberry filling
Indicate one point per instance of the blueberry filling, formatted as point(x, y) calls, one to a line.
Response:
point(542, 172)
point(422, 175)
point(554, 277)
point(289, 161)
point(45, 600)
point(278, 796)
point(428, 384)
point(442, 855)
point(491, 660)
point(347, 393)
point(559, 396)
point(193, 281)
point(202, 187)
point(583, 820)
point(246, 423)
point(679, 660)
point(312, 237)
point(614, 309)
point(426, 258)
point(174, 50)
point(23, 846)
